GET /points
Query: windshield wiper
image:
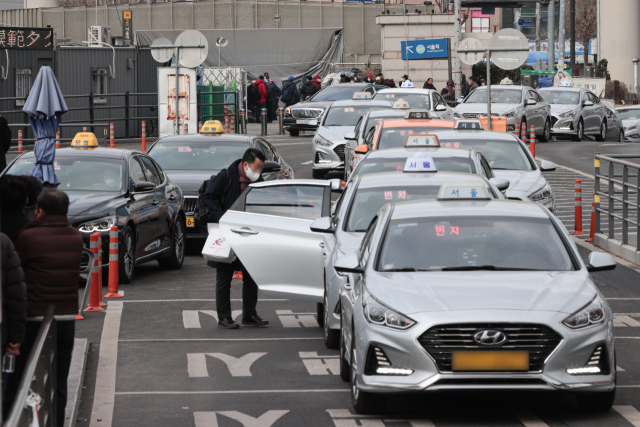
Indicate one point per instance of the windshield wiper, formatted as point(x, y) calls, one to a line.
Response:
point(484, 267)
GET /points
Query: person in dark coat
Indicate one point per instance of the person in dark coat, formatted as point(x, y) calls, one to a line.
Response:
point(5, 142)
point(369, 78)
point(473, 84)
point(262, 102)
point(253, 96)
point(449, 90)
point(290, 94)
point(273, 96)
point(317, 80)
point(465, 86)
point(344, 78)
point(14, 303)
point(13, 198)
point(240, 174)
point(308, 89)
point(34, 188)
point(429, 84)
point(51, 251)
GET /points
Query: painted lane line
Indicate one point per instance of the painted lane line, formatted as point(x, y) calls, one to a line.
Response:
point(220, 339)
point(528, 418)
point(307, 163)
point(104, 395)
point(151, 393)
point(619, 369)
point(625, 321)
point(630, 413)
point(314, 355)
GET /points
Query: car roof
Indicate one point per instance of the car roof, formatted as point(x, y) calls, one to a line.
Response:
point(505, 87)
point(564, 88)
point(386, 179)
point(361, 102)
point(351, 84)
point(109, 153)
point(399, 123)
point(197, 137)
point(405, 152)
point(450, 208)
point(405, 90)
point(476, 135)
point(385, 113)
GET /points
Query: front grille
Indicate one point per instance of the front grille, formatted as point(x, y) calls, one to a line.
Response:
point(490, 381)
point(190, 204)
point(339, 150)
point(302, 113)
point(538, 340)
point(554, 120)
point(470, 115)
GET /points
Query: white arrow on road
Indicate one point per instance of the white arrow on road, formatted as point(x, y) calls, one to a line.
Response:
point(191, 318)
point(208, 419)
point(238, 367)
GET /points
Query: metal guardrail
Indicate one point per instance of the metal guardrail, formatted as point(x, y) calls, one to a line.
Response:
point(618, 206)
point(38, 379)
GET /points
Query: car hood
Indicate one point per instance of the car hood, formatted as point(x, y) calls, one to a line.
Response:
point(557, 109)
point(86, 204)
point(334, 133)
point(190, 181)
point(629, 122)
point(418, 292)
point(311, 104)
point(482, 108)
point(521, 182)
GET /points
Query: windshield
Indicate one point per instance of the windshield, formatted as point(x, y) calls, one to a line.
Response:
point(500, 154)
point(347, 116)
point(468, 243)
point(498, 96)
point(631, 114)
point(196, 156)
point(418, 101)
point(337, 92)
point(80, 173)
point(443, 164)
point(367, 202)
point(397, 137)
point(565, 97)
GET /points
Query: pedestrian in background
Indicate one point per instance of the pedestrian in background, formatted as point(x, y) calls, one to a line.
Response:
point(253, 96)
point(465, 86)
point(404, 78)
point(450, 90)
point(429, 84)
point(290, 94)
point(273, 96)
point(5, 142)
point(317, 80)
point(34, 188)
point(473, 84)
point(344, 78)
point(221, 194)
point(13, 198)
point(262, 102)
point(51, 251)
point(369, 78)
point(308, 89)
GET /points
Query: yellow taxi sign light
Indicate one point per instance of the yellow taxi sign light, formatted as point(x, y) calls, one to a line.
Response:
point(468, 124)
point(417, 115)
point(463, 191)
point(84, 141)
point(422, 140)
point(401, 104)
point(212, 126)
point(361, 95)
point(420, 163)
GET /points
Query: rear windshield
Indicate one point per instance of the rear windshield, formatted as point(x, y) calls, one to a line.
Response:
point(443, 164)
point(500, 154)
point(396, 137)
point(630, 114)
point(347, 116)
point(338, 92)
point(466, 243)
point(560, 97)
point(196, 156)
point(419, 101)
point(498, 96)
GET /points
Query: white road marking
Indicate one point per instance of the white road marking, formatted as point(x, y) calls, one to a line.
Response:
point(151, 393)
point(221, 339)
point(354, 423)
point(295, 320)
point(528, 418)
point(314, 355)
point(307, 163)
point(630, 413)
point(345, 413)
point(104, 395)
point(121, 293)
point(625, 321)
point(344, 418)
point(191, 318)
point(209, 419)
point(238, 367)
point(322, 366)
point(619, 369)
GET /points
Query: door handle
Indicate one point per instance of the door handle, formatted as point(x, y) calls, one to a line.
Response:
point(244, 231)
point(321, 244)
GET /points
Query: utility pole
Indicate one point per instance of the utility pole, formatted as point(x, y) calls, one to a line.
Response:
point(562, 18)
point(538, 17)
point(572, 23)
point(457, 65)
point(551, 35)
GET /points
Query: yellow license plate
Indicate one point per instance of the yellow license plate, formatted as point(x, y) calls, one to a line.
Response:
point(490, 360)
point(191, 222)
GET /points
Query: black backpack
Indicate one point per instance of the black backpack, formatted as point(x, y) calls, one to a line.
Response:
point(201, 212)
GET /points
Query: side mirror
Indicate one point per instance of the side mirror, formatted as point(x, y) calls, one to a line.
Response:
point(587, 103)
point(362, 149)
point(348, 264)
point(322, 225)
point(601, 261)
point(336, 185)
point(547, 166)
point(270, 166)
point(143, 187)
point(351, 136)
point(531, 102)
point(501, 183)
point(441, 107)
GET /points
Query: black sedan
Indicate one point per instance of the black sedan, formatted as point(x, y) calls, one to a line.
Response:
point(306, 115)
point(189, 160)
point(108, 186)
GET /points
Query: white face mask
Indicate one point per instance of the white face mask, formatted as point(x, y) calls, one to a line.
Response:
point(253, 176)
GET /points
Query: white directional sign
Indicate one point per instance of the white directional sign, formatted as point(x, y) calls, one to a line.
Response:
point(191, 318)
point(320, 365)
point(209, 419)
point(238, 367)
point(290, 319)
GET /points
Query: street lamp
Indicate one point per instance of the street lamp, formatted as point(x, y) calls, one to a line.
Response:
point(221, 42)
point(635, 73)
point(277, 18)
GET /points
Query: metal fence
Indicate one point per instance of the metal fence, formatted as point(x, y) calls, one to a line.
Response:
point(617, 181)
point(38, 382)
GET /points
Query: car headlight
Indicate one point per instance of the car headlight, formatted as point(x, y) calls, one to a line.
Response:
point(571, 113)
point(541, 194)
point(102, 224)
point(591, 314)
point(287, 111)
point(634, 127)
point(320, 140)
point(511, 113)
point(379, 314)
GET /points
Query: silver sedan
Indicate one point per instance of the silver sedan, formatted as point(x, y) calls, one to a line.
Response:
point(630, 117)
point(458, 295)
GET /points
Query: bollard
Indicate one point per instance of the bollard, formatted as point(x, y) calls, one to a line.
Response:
point(112, 141)
point(58, 138)
point(94, 292)
point(578, 211)
point(232, 124)
point(280, 121)
point(237, 275)
point(243, 121)
point(226, 124)
point(186, 128)
point(523, 133)
point(263, 121)
point(592, 226)
point(114, 279)
point(102, 304)
point(199, 126)
point(532, 142)
point(517, 129)
point(84, 128)
point(144, 137)
point(20, 141)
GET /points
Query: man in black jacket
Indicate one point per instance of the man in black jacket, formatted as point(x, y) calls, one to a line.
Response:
point(13, 198)
point(308, 89)
point(221, 193)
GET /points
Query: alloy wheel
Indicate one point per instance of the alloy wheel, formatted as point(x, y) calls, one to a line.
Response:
point(128, 255)
point(179, 241)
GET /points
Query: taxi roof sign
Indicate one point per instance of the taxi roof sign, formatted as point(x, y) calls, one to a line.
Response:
point(361, 95)
point(468, 124)
point(212, 126)
point(422, 140)
point(420, 163)
point(84, 141)
point(401, 104)
point(417, 115)
point(463, 191)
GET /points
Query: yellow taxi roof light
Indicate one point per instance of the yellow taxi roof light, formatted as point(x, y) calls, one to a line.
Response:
point(401, 104)
point(84, 141)
point(422, 140)
point(212, 126)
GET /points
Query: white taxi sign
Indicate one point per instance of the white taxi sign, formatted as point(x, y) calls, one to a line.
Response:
point(463, 191)
point(361, 95)
point(422, 140)
point(417, 115)
point(420, 163)
point(468, 124)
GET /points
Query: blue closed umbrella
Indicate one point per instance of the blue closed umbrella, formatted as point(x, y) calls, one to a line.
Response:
point(44, 106)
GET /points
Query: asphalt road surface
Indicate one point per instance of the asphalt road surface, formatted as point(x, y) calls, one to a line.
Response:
point(157, 358)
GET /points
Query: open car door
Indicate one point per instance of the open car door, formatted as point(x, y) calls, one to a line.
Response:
point(268, 227)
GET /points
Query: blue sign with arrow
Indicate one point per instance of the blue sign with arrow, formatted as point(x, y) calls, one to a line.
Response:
point(424, 49)
point(525, 22)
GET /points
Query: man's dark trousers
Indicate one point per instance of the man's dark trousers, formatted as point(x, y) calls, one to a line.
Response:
point(259, 106)
point(223, 293)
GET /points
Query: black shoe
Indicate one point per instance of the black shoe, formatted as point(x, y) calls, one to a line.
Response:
point(228, 323)
point(254, 320)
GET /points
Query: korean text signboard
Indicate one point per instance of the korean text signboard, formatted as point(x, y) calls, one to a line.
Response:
point(127, 38)
point(424, 49)
point(26, 38)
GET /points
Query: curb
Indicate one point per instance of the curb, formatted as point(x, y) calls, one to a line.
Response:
point(75, 381)
point(614, 246)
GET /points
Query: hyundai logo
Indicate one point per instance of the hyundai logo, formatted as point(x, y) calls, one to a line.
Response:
point(490, 337)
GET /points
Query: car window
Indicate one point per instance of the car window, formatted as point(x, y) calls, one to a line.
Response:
point(415, 100)
point(531, 95)
point(485, 166)
point(500, 154)
point(291, 201)
point(629, 114)
point(538, 97)
point(566, 97)
point(266, 149)
point(135, 172)
point(347, 116)
point(498, 96)
point(196, 155)
point(369, 138)
point(443, 164)
point(370, 89)
point(335, 208)
point(397, 137)
point(150, 170)
point(338, 92)
point(367, 242)
point(594, 98)
point(358, 125)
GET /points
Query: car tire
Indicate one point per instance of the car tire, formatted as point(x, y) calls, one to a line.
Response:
point(603, 132)
point(546, 132)
point(127, 256)
point(317, 174)
point(579, 132)
point(331, 336)
point(363, 402)
point(621, 136)
point(320, 314)
point(345, 365)
point(294, 133)
point(178, 244)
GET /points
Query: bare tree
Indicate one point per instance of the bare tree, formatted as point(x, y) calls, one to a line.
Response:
point(443, 5)
point(586, 24)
